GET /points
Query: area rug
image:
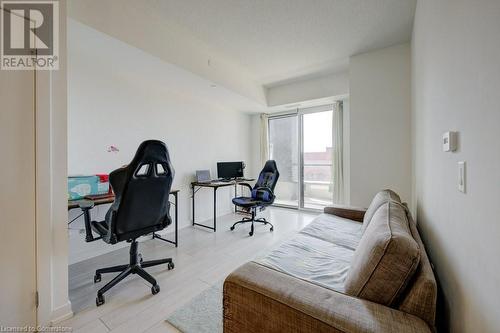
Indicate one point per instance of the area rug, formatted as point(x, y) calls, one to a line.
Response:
point(203, 314)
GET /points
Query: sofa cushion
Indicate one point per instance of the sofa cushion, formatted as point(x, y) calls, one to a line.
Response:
point(420, 296)
point(378, 200)
point(336, 230)
point(311, 259)
point(386, 257)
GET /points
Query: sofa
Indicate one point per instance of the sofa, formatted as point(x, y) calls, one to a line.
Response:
point(349, 270)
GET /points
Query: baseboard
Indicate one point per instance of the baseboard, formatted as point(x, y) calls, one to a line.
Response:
point(61, 313)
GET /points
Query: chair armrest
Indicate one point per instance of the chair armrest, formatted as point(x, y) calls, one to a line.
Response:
point(246, 185)
point(86, 206)
point(260, 299)
point(351, 213)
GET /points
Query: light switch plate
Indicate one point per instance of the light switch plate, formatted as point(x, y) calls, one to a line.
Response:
point(461, 176)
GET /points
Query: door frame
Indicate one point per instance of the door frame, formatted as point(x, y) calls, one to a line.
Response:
point(33, 115)
point(299, 113)
point(51, 188)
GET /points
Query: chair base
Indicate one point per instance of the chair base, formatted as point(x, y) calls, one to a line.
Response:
point(253, 220)
point(136, 266)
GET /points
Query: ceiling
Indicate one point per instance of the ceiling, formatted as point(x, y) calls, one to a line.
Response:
point(280, 40)
point(253, 48)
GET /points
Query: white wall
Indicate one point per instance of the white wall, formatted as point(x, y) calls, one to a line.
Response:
point(336, 84)
point(122, 100)
point(380, 150)
point(256, 165)
point(456, 82)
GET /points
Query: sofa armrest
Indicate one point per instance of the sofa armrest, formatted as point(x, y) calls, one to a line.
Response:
point(351, 213)
point(260, 299)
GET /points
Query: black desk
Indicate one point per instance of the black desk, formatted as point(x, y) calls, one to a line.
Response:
point(109, 199)
point(214, 185)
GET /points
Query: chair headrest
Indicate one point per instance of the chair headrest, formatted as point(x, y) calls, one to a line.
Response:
point(270, 166)
point(149, 151)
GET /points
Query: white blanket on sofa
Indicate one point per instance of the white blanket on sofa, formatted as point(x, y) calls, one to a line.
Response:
point(321, 253)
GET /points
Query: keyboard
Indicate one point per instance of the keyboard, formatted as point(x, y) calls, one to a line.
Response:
point(222, 180)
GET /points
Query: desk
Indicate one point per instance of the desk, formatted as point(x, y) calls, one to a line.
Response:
point(214, 186)
point(72, 204)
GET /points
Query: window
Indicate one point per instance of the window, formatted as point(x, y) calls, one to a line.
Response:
point(301, 144)
point(317, 159)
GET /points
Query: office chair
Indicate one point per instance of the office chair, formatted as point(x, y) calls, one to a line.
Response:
point(262, 195)
point(141, 207)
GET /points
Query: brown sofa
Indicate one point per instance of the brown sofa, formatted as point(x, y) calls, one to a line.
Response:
point(350, 270)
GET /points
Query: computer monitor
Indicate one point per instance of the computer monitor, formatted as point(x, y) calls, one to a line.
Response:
point(228, 170)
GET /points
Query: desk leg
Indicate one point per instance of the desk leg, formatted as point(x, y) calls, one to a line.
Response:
point(176, 224)
point(215, 208)
point(235, 195)
point(193, 192)
point(176, 219)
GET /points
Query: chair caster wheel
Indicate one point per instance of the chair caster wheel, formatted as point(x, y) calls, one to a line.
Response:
point(97, 278)
point(170, 265)
point(155, 289)
point(251, 233)
point(232, 228)
point(272, 229)
point(99, 300)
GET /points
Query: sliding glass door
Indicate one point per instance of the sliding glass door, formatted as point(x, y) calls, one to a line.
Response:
point(317, 159)
point(301, 144)
point(284, 149)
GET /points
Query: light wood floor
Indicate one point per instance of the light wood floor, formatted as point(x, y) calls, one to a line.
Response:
point(202, 259)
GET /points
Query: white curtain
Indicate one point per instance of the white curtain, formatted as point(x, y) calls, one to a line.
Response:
point(338, 153)
point(264, 138)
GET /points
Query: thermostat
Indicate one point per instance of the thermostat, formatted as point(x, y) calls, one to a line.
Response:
point(450, 141)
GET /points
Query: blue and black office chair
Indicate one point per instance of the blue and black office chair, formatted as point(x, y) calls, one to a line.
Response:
point(141, 207)
point(262, 195)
